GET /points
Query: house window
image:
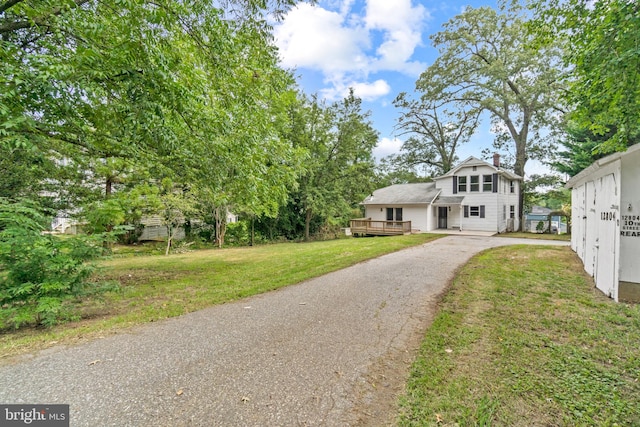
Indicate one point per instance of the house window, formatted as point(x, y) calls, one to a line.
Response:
point(392, 211)
point(462, 184)
point(487, 182)
point(475, 183)
point(478, 211)
point(512, 211)
point(512, 186)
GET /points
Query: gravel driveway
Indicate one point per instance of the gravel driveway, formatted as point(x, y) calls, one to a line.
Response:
point(331, 351)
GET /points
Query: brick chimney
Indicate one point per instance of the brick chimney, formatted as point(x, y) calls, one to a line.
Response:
point(496, 160)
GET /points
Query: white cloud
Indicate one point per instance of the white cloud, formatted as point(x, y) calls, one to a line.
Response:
point(365, 91)
point(402, 25)
point(312, 37)
point(373, 90)
point(387, 146)
point(338, 39)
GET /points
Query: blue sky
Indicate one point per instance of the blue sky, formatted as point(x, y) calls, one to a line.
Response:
point(378, 47)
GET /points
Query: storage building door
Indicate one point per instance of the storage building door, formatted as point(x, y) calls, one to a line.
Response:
point(607, 215)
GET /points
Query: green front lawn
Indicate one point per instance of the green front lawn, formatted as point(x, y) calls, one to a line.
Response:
point(522, 338)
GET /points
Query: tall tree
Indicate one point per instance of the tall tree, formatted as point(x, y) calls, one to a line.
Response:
point(488, 61)
point(436, 132)
point(602, 60)
point(581, 147)
point(389, 172)
point(161, 81)
point(258, 163)
point(339, 169)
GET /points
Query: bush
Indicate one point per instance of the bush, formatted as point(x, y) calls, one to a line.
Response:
point(237, 234)
point(41, 273)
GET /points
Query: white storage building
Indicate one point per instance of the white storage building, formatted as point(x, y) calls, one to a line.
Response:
point(605, 213)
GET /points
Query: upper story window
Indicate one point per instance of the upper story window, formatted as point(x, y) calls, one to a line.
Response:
point(462, 184)
point(487, 182)
point(475, 183)
point(512, 186)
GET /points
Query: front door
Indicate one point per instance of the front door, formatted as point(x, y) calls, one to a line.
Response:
point(442, 217)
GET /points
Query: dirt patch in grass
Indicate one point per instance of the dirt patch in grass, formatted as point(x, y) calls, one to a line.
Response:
point(141, 276)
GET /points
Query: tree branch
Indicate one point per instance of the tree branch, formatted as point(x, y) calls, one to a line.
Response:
point(8, 5)
point(39, 20)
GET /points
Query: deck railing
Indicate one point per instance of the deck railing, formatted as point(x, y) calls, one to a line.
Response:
point(367, 226)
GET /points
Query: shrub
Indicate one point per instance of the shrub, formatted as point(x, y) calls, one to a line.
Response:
point(237, 233)
point(41, 273)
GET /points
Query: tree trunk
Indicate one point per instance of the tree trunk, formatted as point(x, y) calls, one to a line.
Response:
point(108, 187)
point(307, 224)
point(518, 169)
point(169, 239)
point(253, 218)
point(220, 221)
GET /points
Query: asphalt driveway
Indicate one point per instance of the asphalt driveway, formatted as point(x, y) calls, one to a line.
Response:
point(331, 351)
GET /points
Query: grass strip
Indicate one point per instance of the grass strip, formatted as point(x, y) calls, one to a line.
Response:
point(522, 338)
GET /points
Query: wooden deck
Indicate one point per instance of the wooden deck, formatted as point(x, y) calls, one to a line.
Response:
point(369, 227)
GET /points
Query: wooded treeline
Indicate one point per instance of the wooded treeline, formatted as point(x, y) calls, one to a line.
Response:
point(113, 111)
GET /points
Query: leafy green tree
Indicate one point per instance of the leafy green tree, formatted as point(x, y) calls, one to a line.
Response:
point(176, 204)
point(391, 170)
point(489, 62)
point(581, 147)
point(339, 169)
point(186, 84)
point(601, 60)
point(546, 190)
point(138, 202)
point(436, 132)
point(23, 171)
point(258, 164)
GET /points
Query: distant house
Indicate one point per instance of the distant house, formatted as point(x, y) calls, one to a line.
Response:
point(605, 212)
point(541, 214)
point(475, 195)
point(154, 227)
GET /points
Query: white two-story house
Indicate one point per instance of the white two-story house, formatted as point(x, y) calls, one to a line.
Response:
point(475, 195)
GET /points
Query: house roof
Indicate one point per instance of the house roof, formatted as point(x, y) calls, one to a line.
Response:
point(404, 194)
point(540, 210)
point(600, 163)
point(474, 161)
point(448, 200)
